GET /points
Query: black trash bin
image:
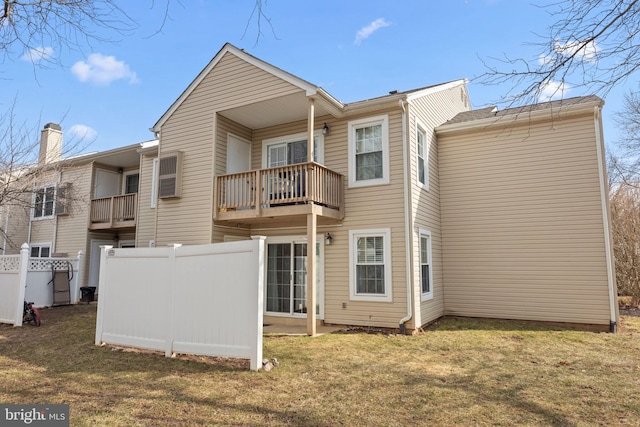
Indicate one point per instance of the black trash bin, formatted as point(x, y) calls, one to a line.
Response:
point(88, 293)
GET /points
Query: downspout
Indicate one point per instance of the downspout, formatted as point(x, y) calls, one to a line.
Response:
point(407, 221)
point(606, 222)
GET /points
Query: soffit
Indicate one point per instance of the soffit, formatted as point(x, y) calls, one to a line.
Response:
point(275, 111)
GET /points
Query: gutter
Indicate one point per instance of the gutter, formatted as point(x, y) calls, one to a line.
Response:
point(606, 222)
point(516, 117)
point(407, 221)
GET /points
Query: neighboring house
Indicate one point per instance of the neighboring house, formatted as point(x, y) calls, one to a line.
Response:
point(416, 206)
point(66, 205)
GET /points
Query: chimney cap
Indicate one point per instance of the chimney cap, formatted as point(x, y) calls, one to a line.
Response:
point(53, 126)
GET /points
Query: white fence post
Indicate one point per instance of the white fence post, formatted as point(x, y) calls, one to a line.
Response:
point(22, 283)
point(256, 359)
point(103, 279)
point(75, 290)
point(171, 328)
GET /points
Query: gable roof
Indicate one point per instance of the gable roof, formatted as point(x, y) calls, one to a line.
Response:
point(308, 88)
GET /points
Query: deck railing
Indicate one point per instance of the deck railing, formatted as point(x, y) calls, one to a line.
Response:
point(115, 211)
point(280, 186)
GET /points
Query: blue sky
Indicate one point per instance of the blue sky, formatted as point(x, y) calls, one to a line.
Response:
point(113, 92)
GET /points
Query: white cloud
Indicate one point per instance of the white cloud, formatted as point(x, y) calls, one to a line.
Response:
point(545, 60)
point(37, 54)
point(101, 69)
point(588, 52)
point(365, 32)
point(82, 132)
point(553, 90)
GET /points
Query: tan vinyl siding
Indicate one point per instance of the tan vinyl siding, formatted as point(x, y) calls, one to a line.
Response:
point(429, 111)
point(233, 82)
point(146, 220)
point(187, 219)
point(17, 224)
point(522, 223)
point(374, 207)
point(72, 228)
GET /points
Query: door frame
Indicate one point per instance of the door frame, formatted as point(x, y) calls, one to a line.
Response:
point(94, 259)
point(319, 274)
point(231, 140)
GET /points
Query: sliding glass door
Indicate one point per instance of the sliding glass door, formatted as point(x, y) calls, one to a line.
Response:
point(286, 278)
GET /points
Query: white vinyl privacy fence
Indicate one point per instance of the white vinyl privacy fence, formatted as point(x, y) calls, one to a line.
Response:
point(24, 278)
point(204, 300)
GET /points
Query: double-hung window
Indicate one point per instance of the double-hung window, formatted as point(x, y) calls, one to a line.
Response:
point(44, 202)
point(370, 264)
point(368, 151)
point(426, 273)
point(422, 155)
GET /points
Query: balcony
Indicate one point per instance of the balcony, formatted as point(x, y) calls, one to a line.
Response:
point(291, 190)
point(113, 212)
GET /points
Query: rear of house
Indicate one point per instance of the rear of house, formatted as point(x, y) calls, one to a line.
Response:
point(416, 206)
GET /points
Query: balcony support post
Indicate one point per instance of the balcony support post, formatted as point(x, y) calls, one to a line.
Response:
point(312, 223)
point(311, 125)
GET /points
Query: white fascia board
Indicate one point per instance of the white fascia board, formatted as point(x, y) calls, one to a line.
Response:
point(438, 88)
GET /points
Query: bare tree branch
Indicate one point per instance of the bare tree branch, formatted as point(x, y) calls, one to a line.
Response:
point(260, 16)
point(34, 29)
point(592, 45)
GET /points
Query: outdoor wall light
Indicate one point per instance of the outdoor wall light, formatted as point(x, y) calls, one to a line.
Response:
point(328, 239)
point(325, 129)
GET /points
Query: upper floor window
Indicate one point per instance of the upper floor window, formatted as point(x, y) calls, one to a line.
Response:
point(44, 201)
point(131, 181)
point(368, 141)
point(422, 152)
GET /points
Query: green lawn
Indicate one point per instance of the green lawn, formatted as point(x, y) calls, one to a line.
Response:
point(459, 372)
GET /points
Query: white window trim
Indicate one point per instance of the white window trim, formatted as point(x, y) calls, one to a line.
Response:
point(154, 183)
point(319, 273)
point(425, 296)
point(385, 233)
point(352, 126)
point(127, 244)
point(317, 136)
point(124, 180)
point(427, 143)
point(33, 202)
point(40, 245)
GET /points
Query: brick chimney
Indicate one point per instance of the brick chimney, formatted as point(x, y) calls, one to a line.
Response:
point(50, 144)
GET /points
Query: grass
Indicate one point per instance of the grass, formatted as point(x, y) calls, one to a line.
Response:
point(459, 372)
